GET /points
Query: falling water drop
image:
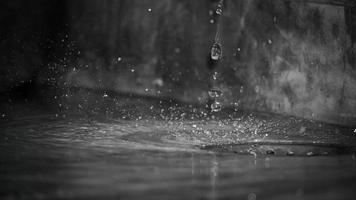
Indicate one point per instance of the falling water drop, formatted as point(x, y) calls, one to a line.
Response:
point(216, 106)
point(216, 51)
point(219, 9)
point(241, 89)
point(236, 106)
point(215, 93)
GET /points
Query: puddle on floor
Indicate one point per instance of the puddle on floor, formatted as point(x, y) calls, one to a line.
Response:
point(46, 157)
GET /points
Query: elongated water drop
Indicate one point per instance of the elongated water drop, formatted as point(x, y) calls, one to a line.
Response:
point(216, 51)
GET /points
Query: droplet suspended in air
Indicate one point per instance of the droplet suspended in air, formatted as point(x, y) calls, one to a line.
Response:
point(215, 75)
point(237, 105)
point(219, 9)
point(216, 106)
point(215, 93)
point(216, 51)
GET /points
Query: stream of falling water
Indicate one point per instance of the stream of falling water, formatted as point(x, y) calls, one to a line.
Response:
point(216, 54)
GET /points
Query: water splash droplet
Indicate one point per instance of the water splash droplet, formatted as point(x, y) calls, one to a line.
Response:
point(215, 75)
point(236, 106)
point(215, 93)
point(216, 106)
point(219, 9)
point(216, 51)
point(241, 89)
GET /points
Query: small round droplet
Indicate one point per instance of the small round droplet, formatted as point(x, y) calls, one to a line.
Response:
point(216, 51)
point(216, 106)
point(290, 153)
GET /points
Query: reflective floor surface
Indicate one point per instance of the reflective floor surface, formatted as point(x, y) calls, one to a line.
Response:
point(251, 156)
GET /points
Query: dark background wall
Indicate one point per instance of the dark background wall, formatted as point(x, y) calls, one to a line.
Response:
point(290, 57)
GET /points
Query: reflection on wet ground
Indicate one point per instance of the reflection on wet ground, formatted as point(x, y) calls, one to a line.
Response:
point(247, 156)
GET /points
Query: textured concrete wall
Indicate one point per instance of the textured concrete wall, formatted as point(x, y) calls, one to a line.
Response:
point(280, 56)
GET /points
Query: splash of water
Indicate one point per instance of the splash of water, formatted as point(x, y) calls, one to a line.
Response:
point(216, 51)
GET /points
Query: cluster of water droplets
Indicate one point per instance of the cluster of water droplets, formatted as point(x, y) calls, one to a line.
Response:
point(216, 54)
point(215, 93)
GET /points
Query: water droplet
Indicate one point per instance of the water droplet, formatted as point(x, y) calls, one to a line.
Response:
point(241, 89)
point(238, 49)
point(251, 196)
point(302, 129)
point(269, 41)
point(257, 89)
point(211, 21)
point(119, 59)
point(236, 105)
point(194, 125)
point(177, 50)
point(270, 152)
point(310, 153)
point(216, 106)
point(105, 95)
point(219, 9)
point(216, 51)
point(146, 89)
point(290, 153)
point(3, 115)
point(149, 10)
point(132, 70)
point(355, 130)
point(215, 93)
point(215, 75)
